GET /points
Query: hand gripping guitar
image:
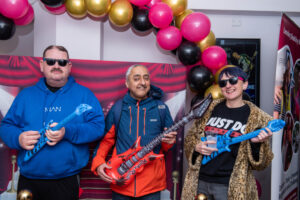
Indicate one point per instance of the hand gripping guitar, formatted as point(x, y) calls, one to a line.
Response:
point(223, 141)
point(125, 165)
point(43, 139)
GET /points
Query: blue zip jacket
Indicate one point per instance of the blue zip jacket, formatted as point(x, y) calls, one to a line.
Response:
point(33, 108)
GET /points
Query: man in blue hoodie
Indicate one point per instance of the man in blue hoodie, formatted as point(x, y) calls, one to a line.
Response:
point(141, 114)
point(52, 173)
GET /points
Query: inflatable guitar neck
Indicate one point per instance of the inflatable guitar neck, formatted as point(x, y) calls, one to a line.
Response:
point(124, 166)
point(43, 139)
point(223, 141)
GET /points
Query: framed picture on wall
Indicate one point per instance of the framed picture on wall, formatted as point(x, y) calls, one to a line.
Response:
point(244, 53)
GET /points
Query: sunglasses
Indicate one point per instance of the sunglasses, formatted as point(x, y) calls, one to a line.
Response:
point(51, 61)
point(232, 81)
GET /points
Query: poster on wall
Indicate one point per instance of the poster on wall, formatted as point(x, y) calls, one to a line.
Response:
point(107, 81)
point(244, 53)
point(285, 166)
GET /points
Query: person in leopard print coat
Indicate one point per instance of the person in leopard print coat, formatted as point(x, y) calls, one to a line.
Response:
point(241, 184)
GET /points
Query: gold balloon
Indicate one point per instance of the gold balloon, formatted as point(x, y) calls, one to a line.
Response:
point(215, 91)
point(179, 19)
point(120, 13)
point(24, 195)
point(76, 8)
point(98, 8)
point(208, 41)
point(217, 74)
point(201, 197)
point(177, 6)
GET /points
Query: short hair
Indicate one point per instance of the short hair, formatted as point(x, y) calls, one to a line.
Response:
point(234, 71)
point(131, 68)
point(60, 48)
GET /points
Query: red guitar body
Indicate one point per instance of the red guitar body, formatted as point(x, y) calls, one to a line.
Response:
point(129, 155)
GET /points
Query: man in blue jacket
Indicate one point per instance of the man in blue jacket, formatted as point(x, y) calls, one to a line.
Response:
point(52, 173)
point(141, 114)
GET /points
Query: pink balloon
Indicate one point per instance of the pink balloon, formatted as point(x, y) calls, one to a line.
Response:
point(139, 2)
point(58, 10)
point(152, 3)
point(26, 19)
point(214, 57)
point(14, 9)
point(195, 27)
point(169, 38)
point(160, 15)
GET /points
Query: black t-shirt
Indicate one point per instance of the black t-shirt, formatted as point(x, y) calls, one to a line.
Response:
point(219, 169)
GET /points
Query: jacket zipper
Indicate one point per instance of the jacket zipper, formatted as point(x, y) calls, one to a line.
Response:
point(144, 121)
point(137, 135)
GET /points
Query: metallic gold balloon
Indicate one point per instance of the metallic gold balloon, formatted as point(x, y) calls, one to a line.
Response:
point(76, 8)
point(215, 91)
point(177, 6)
point(24, 195)
point(179, 19)
point(217, 74)
point(98, 8)
point(120, 13)
point(201, 197)
point(208, 41)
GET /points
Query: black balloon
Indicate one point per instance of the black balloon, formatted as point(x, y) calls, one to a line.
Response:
point(140, 20)
point(7, 28)
point(53, 3)
point(200, 78)
point(188, 53)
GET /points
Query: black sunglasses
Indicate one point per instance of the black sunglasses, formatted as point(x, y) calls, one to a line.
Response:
point(51, 61)
point(232, 81)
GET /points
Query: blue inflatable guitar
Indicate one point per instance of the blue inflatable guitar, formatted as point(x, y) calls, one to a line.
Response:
point(43, 139)
point(223, 141)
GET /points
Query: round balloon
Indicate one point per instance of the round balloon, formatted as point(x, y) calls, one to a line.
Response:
point(140, 20)
point(98, 8)
point(188, 53)
point(181, 17)
point(208, 41)
point(26, 19)
point(152, 3)
point(57, 10)
point(139, 2)
point(53, 3)
point(215, 91)
point(214, 57)
point(14, 9)
point(199, 78)
point(76, 8)
point(195, 27)
point(169, 38)
point(160, 15)
point(121, 13)
point(7, 28)
point(177, 6)
point(217, 74)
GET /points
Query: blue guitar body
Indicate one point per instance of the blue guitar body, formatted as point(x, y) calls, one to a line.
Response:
point(43, 139)
point(224, 141)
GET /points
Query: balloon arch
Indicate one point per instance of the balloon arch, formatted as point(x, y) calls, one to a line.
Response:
point(184, 32)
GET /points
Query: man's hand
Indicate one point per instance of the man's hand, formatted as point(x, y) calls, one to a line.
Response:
point(102, 174)
point(169, 138)
point(55, 136)
point(28, 139)
point(277, 94)
point(203, 149)
point(263, 136)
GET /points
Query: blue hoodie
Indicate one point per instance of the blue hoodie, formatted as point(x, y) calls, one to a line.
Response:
point(33, 108)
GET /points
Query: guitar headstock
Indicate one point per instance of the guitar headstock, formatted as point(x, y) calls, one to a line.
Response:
point(276, 125)
point(199, 108)
point(82, 108)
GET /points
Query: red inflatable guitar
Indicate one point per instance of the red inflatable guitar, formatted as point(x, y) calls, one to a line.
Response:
point(124, 166)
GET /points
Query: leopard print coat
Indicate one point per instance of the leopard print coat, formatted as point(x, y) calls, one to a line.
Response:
point(242, 185)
